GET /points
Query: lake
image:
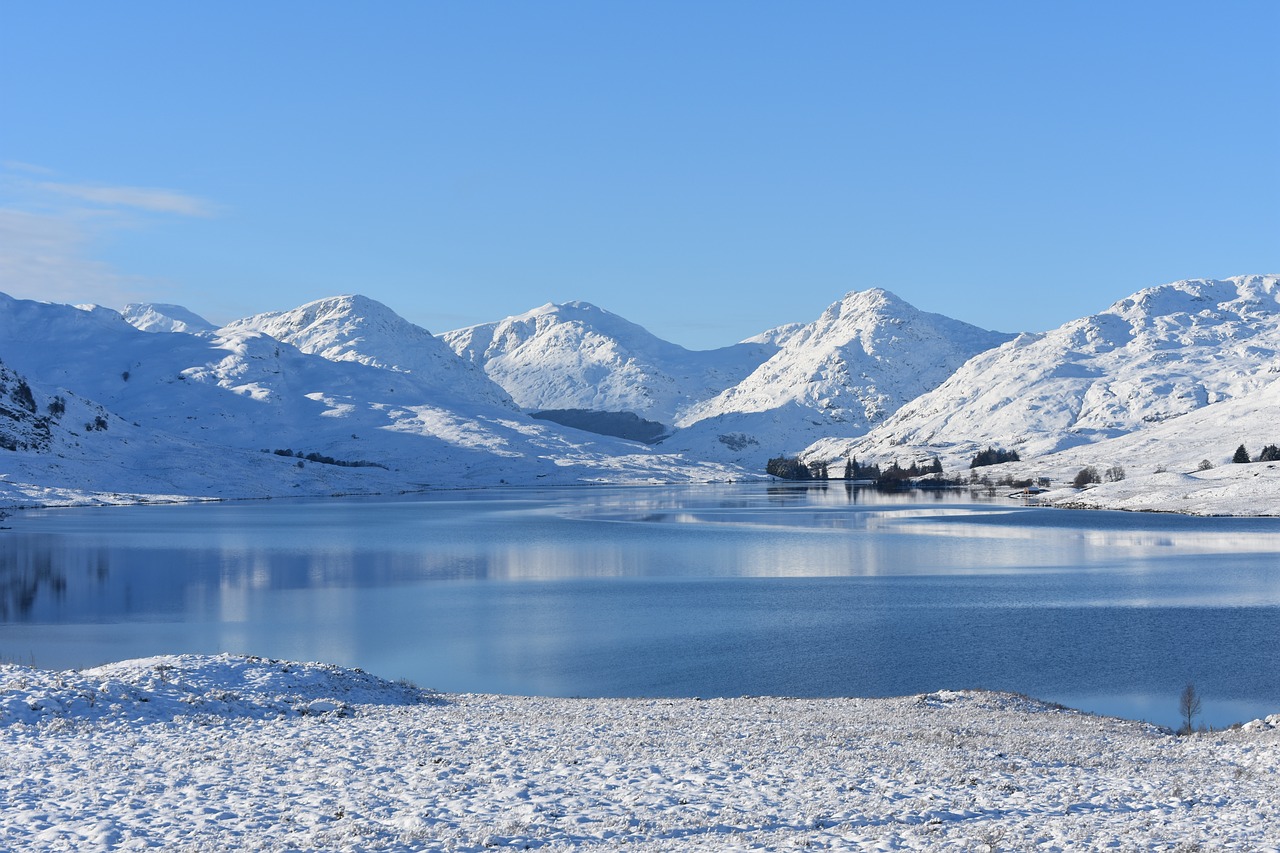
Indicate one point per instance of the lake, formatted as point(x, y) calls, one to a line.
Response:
point(666, 591)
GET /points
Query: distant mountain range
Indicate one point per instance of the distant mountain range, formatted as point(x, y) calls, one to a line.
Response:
point(156, 402)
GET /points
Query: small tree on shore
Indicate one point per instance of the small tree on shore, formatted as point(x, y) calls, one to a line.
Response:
point(1188, 707)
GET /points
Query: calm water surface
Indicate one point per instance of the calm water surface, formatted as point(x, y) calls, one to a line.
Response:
point(705, 591)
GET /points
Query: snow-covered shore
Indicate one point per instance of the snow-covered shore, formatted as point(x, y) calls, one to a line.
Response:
point(212, 753)
point(1229, 490)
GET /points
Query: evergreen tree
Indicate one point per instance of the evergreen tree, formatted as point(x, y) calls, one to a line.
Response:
point(22, 396)
point(849, 469)
point(787, 469)
point(992, 456)
point(1242, 455)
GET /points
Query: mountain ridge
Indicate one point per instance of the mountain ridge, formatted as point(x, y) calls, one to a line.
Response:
point(1157, 354)
point(360, 329)
point(576, 355)
point(94, 403)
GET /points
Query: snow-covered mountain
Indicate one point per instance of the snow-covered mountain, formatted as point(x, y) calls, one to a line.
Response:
point(159, 317)
point(360, 329)
point(166, 414)
point(1159, 354)
point(578, 356)
point(864, 358)
point(356, 399)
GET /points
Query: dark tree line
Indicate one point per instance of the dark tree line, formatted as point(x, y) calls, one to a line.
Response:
point(993, 456)
point(896, 473)
point(1270, 453)
point(328, 460)
point(788, 468)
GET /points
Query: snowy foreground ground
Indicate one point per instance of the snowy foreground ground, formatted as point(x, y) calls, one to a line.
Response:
point(216, 753)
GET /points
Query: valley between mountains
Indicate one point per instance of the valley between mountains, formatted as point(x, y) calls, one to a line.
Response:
point(344, 396)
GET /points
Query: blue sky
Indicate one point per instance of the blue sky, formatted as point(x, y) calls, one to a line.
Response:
point(705, 169)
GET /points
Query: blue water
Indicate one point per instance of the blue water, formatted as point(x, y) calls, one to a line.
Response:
point(707, 591)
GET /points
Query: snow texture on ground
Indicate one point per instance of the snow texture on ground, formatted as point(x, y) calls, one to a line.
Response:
point(214, 753)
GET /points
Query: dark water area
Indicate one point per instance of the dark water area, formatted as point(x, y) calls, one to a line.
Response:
point(656, 591)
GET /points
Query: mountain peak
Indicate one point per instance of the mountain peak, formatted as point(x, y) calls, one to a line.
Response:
point(863, 358)
point(163, 317)
point(1153, 356)
point(357, 328)
point(576, 355)
point(353, 306)
point(1249, 293)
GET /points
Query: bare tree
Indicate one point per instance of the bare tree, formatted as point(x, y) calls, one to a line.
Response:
point(1188, 706)
point(1086, 476)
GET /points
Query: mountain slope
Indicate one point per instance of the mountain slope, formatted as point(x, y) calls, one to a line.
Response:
point(359, 329)
point(193, 414)
point(578, 356)
point(158, 317)
point(865, 357)
point(1161, 353)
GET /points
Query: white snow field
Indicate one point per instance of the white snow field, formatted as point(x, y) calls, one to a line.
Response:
point(229, 752)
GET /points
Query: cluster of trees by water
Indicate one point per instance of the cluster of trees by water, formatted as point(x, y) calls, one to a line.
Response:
point(895, 475)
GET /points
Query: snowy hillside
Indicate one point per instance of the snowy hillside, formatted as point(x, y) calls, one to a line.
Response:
point(865, 357)
point(1179, 465)
point(166, 415)
point(578, 356)
point(96, 406)
point(1162, 353)
point(359, 329)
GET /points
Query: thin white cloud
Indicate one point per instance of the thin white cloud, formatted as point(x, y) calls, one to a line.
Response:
point(30, 168)
point(140, 198)
point(50, 231)
point(44, 257)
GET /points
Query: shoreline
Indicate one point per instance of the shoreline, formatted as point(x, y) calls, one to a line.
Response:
point(96, 500)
